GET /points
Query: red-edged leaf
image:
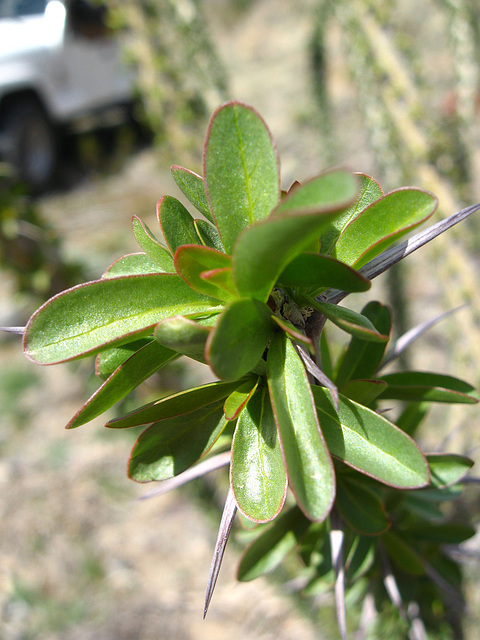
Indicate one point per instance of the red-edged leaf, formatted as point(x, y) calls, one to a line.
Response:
point(257, 473)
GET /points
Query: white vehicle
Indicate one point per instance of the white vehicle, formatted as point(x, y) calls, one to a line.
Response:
point(59, 68)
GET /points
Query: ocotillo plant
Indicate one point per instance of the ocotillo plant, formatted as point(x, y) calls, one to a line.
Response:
point(247, 288)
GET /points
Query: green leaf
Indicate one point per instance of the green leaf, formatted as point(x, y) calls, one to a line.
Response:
point(257, 474)
point(294, 333)
point(315, 272)
point(264, 250)
point(129, 375)
point(363, 391)
point(447, 468)
point(185, 335)
point(241, 170)
point(107, 361)
point(441, 533)
point(266, 552)
point(403, 554)
point(132, 264)
point(350, 321)
point(412, 417)
point(109, 312)
point(361, 508)
point(369, 443)
point(335, 188)
point(193, 187)
point(424, 504)
point(152, 247)
point(315, 547)
point(192, 261)
point(239, 339)
point(177, 224)
point(237, 400)
point(326, 355)
point(208, 235)
point(419, 386)
point(360, 557)
point(382, 223)
point(223, 279)
point(362, 358)
point(172, 445)
point(369, 192)
point(308, 463)
point(175, 405)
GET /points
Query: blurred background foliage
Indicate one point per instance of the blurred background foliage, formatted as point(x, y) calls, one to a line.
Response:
point(180, 77)
point(392, 88)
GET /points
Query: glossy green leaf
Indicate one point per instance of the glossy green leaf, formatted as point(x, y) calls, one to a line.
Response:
point(192, 260)
point(308, 463)
point(208, 235)
point(241, 170)
point(264, 250)
point(350, 321)
point(257, 473)
point(174, 405)
point(107, 313)
point(419, 386)
point(361, 508)
point(239, 339)
point(363, 391)
point(369, 443)
point(314, 272)
point(193, 187)
point(382, 223)
point(185, 335)
point(107, 361)
point(237, 400)
point(403, 554)
point(267, 552)
point(152, 247)
point(362, 358)
point(335, 188)
point(177, 224)
point(369, 192)
point(447, 468)
point(132, 264)
point(170, 446)
point(129, 375)
point(221, 278)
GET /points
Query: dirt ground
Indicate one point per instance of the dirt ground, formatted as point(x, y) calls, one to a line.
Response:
point(80, 558)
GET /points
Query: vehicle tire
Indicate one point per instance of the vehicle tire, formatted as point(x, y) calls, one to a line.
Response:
point(29, 143)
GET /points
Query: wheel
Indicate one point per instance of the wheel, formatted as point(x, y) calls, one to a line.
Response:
point(29, 143)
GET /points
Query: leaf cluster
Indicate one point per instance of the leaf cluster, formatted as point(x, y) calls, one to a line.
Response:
point(243, 286)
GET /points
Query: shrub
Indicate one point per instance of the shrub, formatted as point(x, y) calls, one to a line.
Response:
point(247, 289)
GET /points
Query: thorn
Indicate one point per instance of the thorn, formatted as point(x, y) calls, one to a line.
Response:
point(336, 544)
point(229, 511)
point(317, 373)
point(392, 255)
point(200, 469)
point(410, 336)
point(17, 330)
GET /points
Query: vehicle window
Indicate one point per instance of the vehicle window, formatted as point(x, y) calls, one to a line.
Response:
point(15, 8)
